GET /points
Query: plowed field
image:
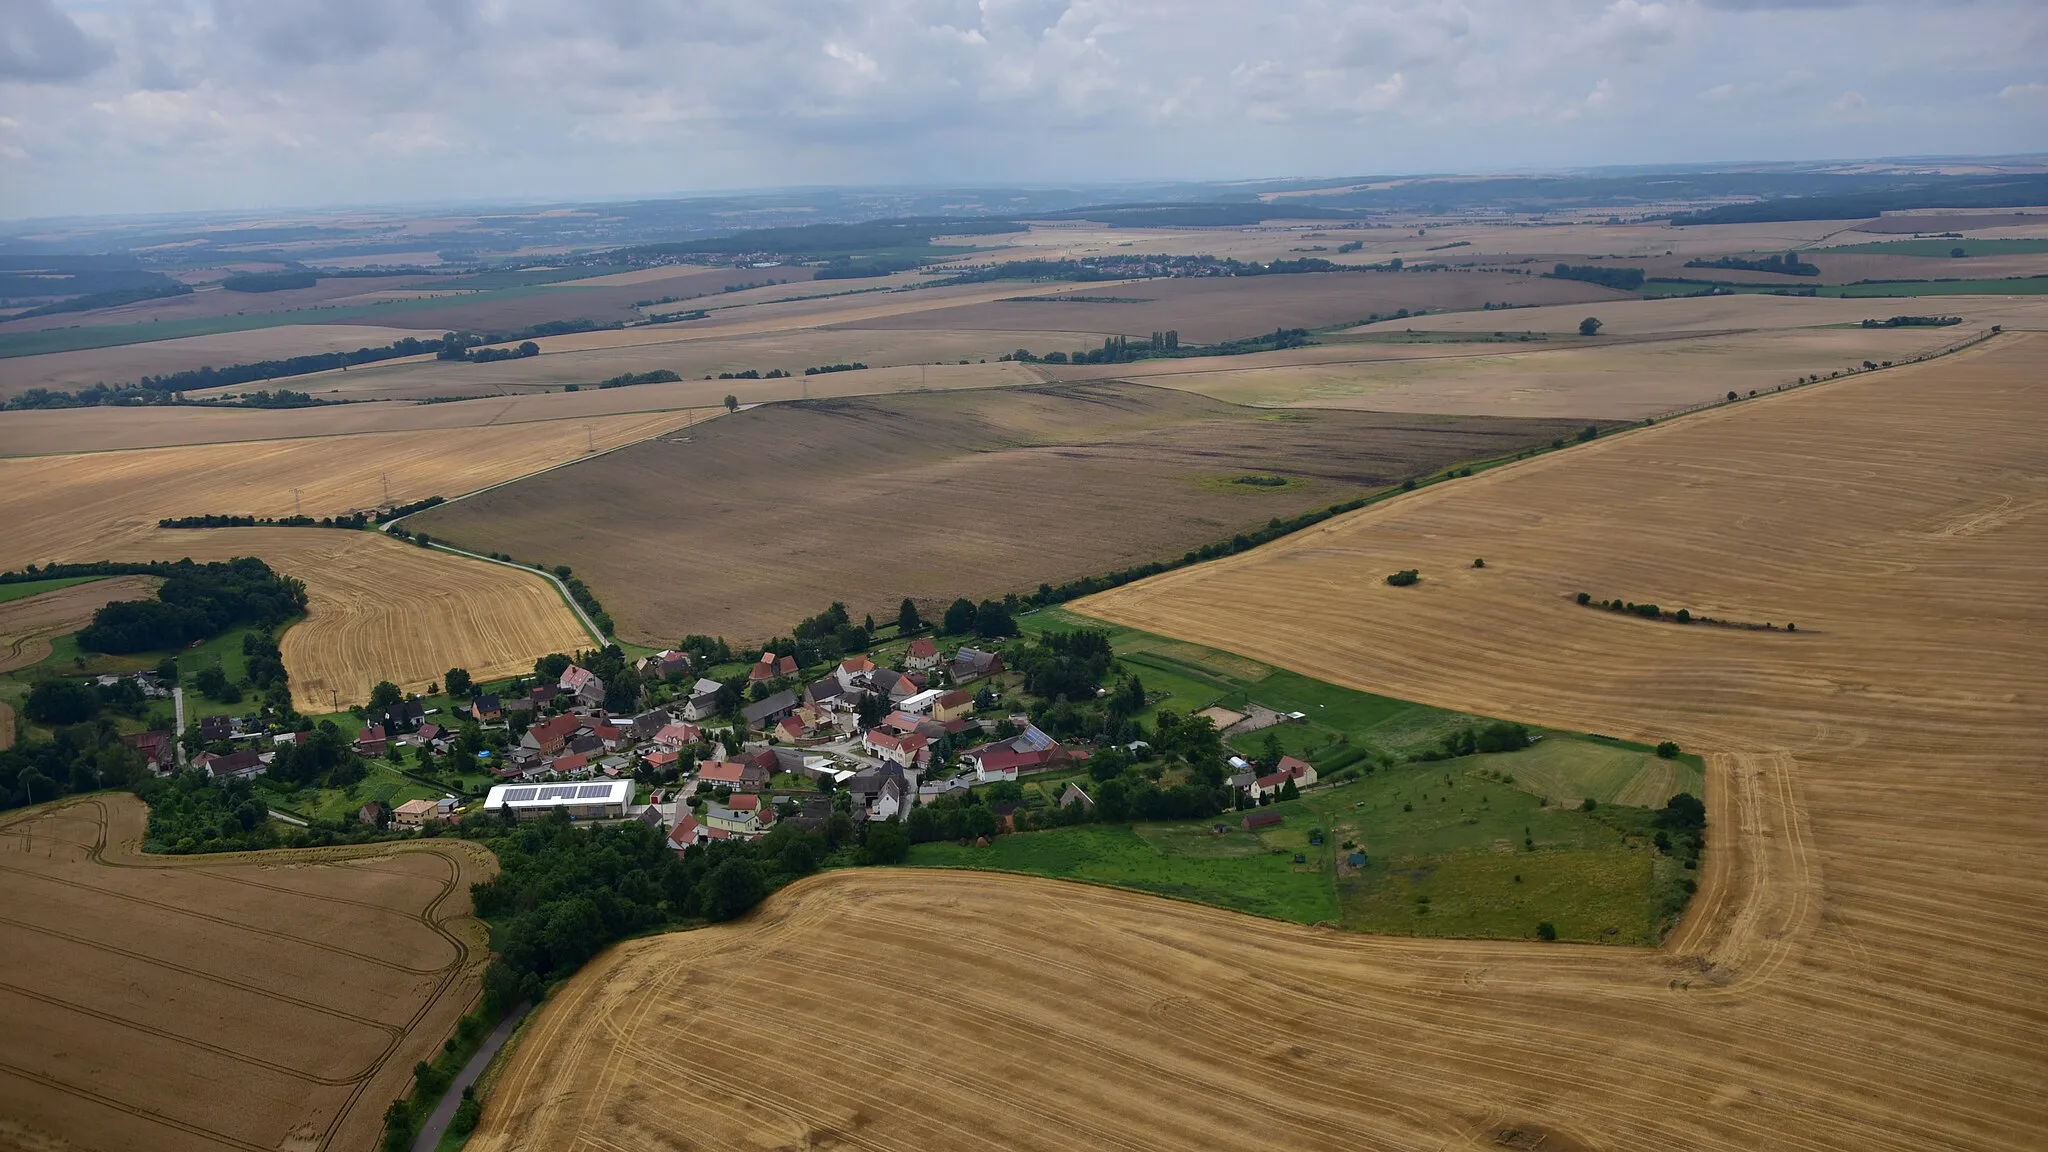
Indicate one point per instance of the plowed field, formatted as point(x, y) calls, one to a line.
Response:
point(251, 1001)
point(1862, 967)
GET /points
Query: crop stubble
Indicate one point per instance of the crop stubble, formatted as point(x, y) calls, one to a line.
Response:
point(250, 1001)
point(1860, 969)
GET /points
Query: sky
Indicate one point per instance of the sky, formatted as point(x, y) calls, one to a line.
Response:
point(129, 106)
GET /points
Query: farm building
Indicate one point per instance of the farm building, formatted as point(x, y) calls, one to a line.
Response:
point(605, 800)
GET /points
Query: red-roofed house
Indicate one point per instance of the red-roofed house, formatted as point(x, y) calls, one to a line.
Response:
point(370, 741)
point(678, 735)
point(662, 758)
point(904, 751)
point(575, 762)
point(923, 655)
point(952, 706)
point(549, 735)
point(583, 684)
point(156, 747)
point(734, 775)
point(791, 729)
point(686, 833)
point(853, 671)
point(1300, 771)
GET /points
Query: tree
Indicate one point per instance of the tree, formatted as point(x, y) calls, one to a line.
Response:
point(1683, 811)
point(732, 403)
point(60, 702)
point(959, 617)
point(458, 682)
point(992, 620)
point(1288, 791)
point(467, 1115)
point(384, 695)
point(1668, 750)
point(887, 842)
point(167, 670)
point(1590, 326)
point(732, 888)
point(907, 619)
point(1546, 931)
point(1404, 577)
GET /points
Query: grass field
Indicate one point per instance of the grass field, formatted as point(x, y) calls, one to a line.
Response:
point(29, 625)
point(28, 588)
point(1971, 247)
point(935, 496)
point(382, 784)
point(266, 1000)
point(1437, 830)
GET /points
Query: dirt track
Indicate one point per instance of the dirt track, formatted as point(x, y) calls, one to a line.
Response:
point(28, 625)
point(1862, 967)
point(252, 1001)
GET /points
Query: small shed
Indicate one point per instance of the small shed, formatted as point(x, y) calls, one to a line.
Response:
point(1256, 820)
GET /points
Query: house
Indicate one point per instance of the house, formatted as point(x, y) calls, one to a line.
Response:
point(687, 833)
point(763, 713)
point(662, 665)
point(611, 736)
point(376, 813)
point(661, 759)
point(1243, 781)
point(903, 751)
point(548, 736)
point(743, 815)
point(674, 735)
point(878, 793)
point(1254, 821)
point(791, 729)
point(703, 703)
point(245, 764)
point(544, 695)
point(586, 686)
point(923, 655)
point(156, 747)
point(928, 792)
point(816, 813)
point(897, 686)
point(371, 740)
point(586, 744)
point(1074, 795)
point(954, 705)
point(647, 724)
point(970, 664)
point(403, 717)
point(573, 764)
point(216, 728)
point(414, 813)
point(487, 709)
point(830, 693)
point(740, 777)
point(1300, 771)
point(998, 764)
point(853, 672)
point(770, 666)
point(426, 735)
point(1031, 751)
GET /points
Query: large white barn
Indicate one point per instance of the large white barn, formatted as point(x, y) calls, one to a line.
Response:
point(583, 800)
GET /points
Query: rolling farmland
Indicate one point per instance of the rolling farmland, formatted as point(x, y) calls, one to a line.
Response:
point(251, 1001)
point(977, 493)
point(1860, 969)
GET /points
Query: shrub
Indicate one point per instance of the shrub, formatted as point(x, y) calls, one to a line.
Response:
point(1404, 577)
point(1545, 930)
point(1585, 598)
point(1588, 804)
point(467, 1115)
point(1481, 563)
point(1668, 750)
point(1590, 326)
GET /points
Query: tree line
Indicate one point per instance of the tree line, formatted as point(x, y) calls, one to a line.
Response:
point(1620, 279)
point(195, 603)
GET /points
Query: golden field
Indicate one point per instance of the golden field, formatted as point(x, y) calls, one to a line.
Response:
point(249, 1001)
point(1861, 967)
point(101, 505)
point(125, 363)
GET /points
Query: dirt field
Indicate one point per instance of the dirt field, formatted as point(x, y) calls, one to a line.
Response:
point(251, 1001)
point(936, 496)
point(96, 505)
point(1860, 969)
point(27, 626)
point(129, 362)
point(1206, 309)
point(1627, 381)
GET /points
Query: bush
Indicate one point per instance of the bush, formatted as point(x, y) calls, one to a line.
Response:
point(1590, 326)
point(1404, 577)
point(467, 1115)
point(1585, 598)
point(1479, 563)
point(1668, 750)
point(1588, 804)
point(1546, 931)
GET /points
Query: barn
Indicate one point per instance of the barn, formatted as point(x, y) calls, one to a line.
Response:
point(581, 800)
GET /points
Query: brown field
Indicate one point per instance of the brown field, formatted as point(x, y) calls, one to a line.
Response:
point(1618, 381)
point(791, 350)
point(213, 302)
point(1205, 309)
point(1861, 969)
point(252, 1001)
point(90, 506)
point(1908, 223)
point(1707, 314)
point(378, 609)
point(129, 362)
point(28, 625)
point(935, 496)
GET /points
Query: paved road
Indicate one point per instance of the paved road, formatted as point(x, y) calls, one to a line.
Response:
point(437, 1121)
point(286, 817)
point(178, 734)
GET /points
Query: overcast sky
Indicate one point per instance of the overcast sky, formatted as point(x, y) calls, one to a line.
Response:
point(147, 105)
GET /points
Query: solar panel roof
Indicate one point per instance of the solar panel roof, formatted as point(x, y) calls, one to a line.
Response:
point(521, 793)
point(593, 791)
point(558, 792)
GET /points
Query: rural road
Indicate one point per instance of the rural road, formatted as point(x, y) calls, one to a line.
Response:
point(287, 818)
point(178, 730)
point(437, 1121)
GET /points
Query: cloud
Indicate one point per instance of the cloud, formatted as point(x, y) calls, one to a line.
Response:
point(324, 101)
point(40, 43)
point(2032, 90)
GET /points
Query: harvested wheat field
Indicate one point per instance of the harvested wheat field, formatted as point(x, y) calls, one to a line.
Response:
point(28, 625)
point(938, 495)
point(1619, 381)
point(378, 609)
point(1711, 314)
point(253, 1001)
point(130, 362)
point(1861, 969)
point(91, 506)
